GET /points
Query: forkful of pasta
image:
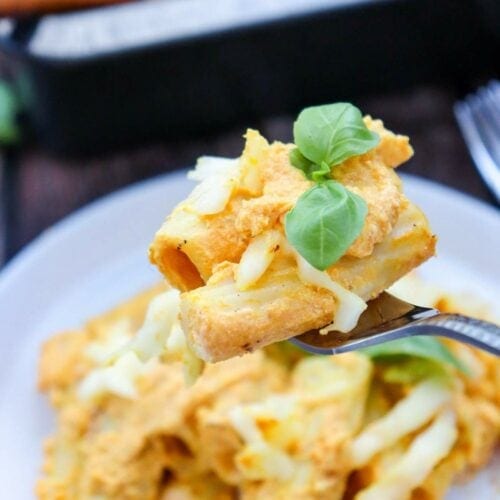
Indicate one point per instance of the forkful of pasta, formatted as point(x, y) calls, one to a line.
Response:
point(288, 241)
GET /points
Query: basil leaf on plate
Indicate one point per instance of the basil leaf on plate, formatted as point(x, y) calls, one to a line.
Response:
point(412, 370)
point(419, 347)
point(332, 133)
point(325, 221)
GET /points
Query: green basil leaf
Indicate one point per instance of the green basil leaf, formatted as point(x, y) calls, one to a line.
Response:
point(317, 173)
point(332, 133)
point(412, 370)
point(419, 347)
point(298, 160)
point(321, 173)
point(9, 106)
point(324, 223)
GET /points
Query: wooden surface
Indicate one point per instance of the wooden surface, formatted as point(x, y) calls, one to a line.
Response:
point(39, 189)
point(27, 7)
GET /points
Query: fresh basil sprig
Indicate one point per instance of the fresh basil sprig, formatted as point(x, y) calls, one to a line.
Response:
point(324, 222)
point(330, 135)
point(327, 218)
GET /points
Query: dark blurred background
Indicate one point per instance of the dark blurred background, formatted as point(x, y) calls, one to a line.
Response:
point(92, 100)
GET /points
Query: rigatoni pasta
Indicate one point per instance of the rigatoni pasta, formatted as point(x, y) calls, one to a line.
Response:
point(225, 247)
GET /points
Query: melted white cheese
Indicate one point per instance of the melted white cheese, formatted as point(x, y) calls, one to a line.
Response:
point(160, 334)
point(178, 349)
point(243, 417)
point(425, 452)
point(257, 258)
point(117, 336)
point(209, 166)
point(219, 177)
point(349, 305)
point(119, 378)
point(408, 415)
point(260, 459)
point(162, 314)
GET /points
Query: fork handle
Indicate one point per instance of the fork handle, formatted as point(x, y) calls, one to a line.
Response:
point(455, 326)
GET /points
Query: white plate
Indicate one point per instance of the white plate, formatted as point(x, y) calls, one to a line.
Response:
point(97, 257)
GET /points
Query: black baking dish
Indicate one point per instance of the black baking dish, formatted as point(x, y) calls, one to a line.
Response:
point(112, 76)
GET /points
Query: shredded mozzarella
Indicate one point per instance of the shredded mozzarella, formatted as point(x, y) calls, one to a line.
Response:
point(118, 378)
point(219, 177)
point(208, 166)
point(160, 334)
point(252, 160)
point(407, 416)
point(320, 379)
point(178, 349)
point(162, 314)
point(211, 196)
point(257, 258)
point(427, 449)
point(245, 424)
point(260, 459)
point(117, 336)
point(243, 417)
point(349, 305)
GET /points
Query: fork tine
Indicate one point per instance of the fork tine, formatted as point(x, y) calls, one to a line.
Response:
point(487, 123)
point(381, 321)
point(491, 104)
point(471, 119)
point(494, 85)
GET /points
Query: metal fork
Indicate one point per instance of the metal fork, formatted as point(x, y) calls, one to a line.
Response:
point(388, 318)
point(478, 117)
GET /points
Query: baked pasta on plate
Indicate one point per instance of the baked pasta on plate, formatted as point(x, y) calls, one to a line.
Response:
point(273, 424)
